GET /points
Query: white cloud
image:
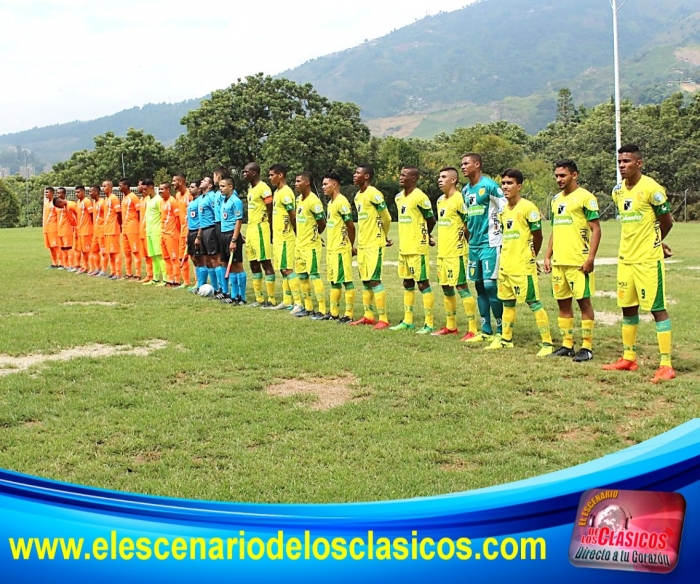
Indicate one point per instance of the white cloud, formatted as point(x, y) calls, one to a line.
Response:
point(80, 59)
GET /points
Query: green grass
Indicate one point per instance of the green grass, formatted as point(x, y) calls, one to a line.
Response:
point(428, 415)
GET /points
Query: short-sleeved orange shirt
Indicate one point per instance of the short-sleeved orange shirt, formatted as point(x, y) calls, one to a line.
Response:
point(85, 224)
point(112, 207)
point(130, 214)
point(170, 213)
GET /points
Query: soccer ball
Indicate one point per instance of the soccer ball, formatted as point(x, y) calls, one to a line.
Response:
point(206, 290)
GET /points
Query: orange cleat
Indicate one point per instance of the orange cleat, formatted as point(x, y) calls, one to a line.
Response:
point(444, 331)
point(621, 364)
point(363, 320)
point(664, 373)
point(380, 326)
point(468, 336)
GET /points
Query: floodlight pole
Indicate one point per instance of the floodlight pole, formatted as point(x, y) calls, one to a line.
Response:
point(26, 186)
point(616, 57)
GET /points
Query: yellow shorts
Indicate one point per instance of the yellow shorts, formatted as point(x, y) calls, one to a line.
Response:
point(306, 261)
point(414, 267)
point(642, 285)
point(369, 263)
point(51, 239)
point(519, 288)
point(112, 244)
point(284, 254)
point(257, 242)
point(339, 266)
point(452, 271)
point(571, 282)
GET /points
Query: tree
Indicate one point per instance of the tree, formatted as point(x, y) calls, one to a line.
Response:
point(566, 111)
point(9, 207)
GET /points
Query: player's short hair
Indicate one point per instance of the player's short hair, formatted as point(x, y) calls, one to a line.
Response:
point(630, 149)
point(254, 166)
point(165, 185)
point(413, 170)
point(125, 181)
point(97, 187)
point(513, 173)
point(49, 189)
point(306, 175)
point(197, 183)
point(332, 175)
point(80, 188)
point(367, 169)
point(227, 180)
point(223, 171)
point(449, 169)
point(147, 182)
point(567, 163)
point(111, 184)
point(62, 190)
point(474, 156)
point(180, 175)
point(278, 169)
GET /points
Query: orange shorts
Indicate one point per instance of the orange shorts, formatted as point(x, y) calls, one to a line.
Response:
point(85, 243)
point(112, 244)
point(66, 240)
point(182, 252)
point(51, 239)
point(132, 242)
point(143, 247)
point(95, 246)
point(169, 246)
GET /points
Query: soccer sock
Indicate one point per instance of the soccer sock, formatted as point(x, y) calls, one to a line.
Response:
point(367, 299)
point(225, 280)
point(336, 293)
point(176, 271)
point(509, 315)
point(409, 298)
point(566, 328)
point(270, 288)
point(542, 321)
point(220, 275)
point(495, 303)
point(103, 262)
point(71, 258)
point(64, 258)
point(350, 299)
point(258, 287)
point(184, 271)
point(630, 324)
point(54, 255)
point(213, 279)
point(201, 273)
point(128, 259)
point(232, 290)
point(469, 305)
point(286, 292)
point(450, 302)
point(113, 264)
point(149, 267)
point(663, 335)
point(168, 269)
point(160, 262)
point(320, 291)
point(305, 286)
point(118, 264)
point(587, 334)
point(242, 284)
point(482, 299)
point(428, 301)
point(380, 299)
point(295, 288)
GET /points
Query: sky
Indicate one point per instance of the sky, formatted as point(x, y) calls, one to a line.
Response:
point(82, 59)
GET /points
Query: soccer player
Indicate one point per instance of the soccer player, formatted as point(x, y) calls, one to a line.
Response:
point(484, 199)
point(131, 245)
point(112, 230)
point(183, 198)
point(284, 228)
point(170, 235)
point(85, 230)
point(340, 242)
point(143, 239)
point(517, 272)
point(452, 254)
point(645, 217)
point(258, 237)
point(570, 258)
point(217, 198)
point(373, 225)
point(206, 238)
point(416, 223)
point(311, 222)
point(67, 219)
point(154, 221)
point(231, 242)
point(98, 238)
point(194, 249)
point(50, 227)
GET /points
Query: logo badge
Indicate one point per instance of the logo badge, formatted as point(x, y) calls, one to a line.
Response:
point(627, 204)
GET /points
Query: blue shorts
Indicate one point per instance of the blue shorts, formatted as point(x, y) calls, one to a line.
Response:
point(483, 263)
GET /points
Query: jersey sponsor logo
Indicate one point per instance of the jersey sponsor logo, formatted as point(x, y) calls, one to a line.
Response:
point(511, 235)
point(405, 219)
point(444, 223)
point(632, 217)
point(565, 220)
point(476, 211)
point(362, 216)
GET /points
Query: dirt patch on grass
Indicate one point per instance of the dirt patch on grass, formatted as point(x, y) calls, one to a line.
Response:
point(613, 318)
point(689, 55)
point(90, 303)
point(10, 365)
point(330, 392)
point(577, 435)
point(613, 295)
point(148, 456)
point(458, 465)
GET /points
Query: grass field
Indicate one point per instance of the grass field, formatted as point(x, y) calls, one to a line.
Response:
point(422, 416)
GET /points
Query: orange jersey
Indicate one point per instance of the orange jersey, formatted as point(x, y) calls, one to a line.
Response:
point(85, 217)
point(98, 217)
point(142, 217)
point(112, 207)
point(67, 219)
point(50, 223)
point(170, 213)
point(183, 201)
point(130, 214)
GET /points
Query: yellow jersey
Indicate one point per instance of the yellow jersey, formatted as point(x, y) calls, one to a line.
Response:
point(281, 224)
point(451, 217)
point(639, 207)
point(258, 197)
point(309, 210)
point(338, 213)
point(517, 250)
point(572, 235)
point(370, 227)
point(413, 211)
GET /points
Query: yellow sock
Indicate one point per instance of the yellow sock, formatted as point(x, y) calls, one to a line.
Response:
point(306, 294)
point(320, 292)
point(270, 288)
point(336, 293)
point(587, 334)
point(566, 328)
point(258, 288)
point(380, 299)
point(350, 301)
point(286, 292)
point(450, 302)
point(508, 322)
point(542, 321)
point(663, 335)
point(630, 324)
point(367, 300)
point(295, 287)
point(428, 301)
point(469, 305)
point(409, 298)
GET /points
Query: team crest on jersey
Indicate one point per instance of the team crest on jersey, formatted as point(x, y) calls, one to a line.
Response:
point(627, 205)
point(658, 197)
point(193, 214)
point(224, 215)
point(509, 224)
point(561, 209)
point(534, 216)
point(442, 212)
point(593, 205)
point(403, 209)
point(482, 191)
point(472, 199)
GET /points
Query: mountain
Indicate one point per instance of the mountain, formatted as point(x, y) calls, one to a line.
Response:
point(496, 59)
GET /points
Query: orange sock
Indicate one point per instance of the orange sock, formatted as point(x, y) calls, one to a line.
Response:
point(113, 263)
point(149, 267)
point(168, 269)
point(185, 272)
point(54, 255)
